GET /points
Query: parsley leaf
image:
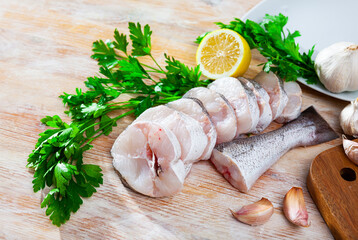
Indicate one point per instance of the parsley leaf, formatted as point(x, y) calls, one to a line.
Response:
point(63, 174)
point(72, 186)
point(121, 42)
point(141, 41)
point(104, 53)
point(201, 37)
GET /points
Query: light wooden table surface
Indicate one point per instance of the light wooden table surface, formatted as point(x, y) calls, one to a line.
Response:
point(45, 49)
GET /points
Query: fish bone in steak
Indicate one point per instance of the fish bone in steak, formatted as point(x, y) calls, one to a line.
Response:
point(220, 111)
point(147, 157)
point(244, 103)
point(188, 131)
point(195, 109)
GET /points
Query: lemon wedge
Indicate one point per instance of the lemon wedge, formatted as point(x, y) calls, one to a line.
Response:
point(223, 53)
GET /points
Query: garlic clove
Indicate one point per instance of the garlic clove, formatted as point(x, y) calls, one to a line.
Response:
point(256, 213)
point(294, 207)
point(350, 149)
point(348, 118)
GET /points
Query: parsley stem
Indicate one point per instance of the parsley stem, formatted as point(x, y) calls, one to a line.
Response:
point(157, 64)
point(155, 82)
point(165, 94)
point(128, 105)
point(169, 99)
point(123, 115)
point(153, 69)
point(144, 65)
point(109, 122)
point(93, 138)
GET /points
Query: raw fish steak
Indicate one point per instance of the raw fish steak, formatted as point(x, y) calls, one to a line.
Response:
point(188, 131)
point(263, 101)
point(195, 109)
point(274, 87)
point(244, 160)
point(147, 157)
point(220, 111)
point(244, 103)
point(293, 107)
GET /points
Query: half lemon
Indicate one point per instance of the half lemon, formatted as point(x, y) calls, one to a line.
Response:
point(223, 53)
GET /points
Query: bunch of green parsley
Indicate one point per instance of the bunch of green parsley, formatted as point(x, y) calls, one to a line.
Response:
point(57, 159)
point(277, 45)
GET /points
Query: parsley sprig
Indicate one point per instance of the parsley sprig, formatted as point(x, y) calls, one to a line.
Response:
point(57, 159)
point(277, 45)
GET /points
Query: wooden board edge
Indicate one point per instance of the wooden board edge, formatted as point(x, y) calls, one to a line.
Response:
point(321, 203)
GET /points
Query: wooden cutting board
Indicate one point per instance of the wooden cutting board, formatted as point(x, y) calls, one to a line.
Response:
point(333, 184)
point(45, 49)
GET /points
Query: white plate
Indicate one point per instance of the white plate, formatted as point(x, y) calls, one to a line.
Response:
point(320, 22)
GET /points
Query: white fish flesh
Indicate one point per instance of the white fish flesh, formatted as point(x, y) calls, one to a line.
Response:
point(254, 108)
point(195, 109)
point(188, 131)
point(263, 102)
point(274, 87)
point(147, 157)
point(244, 160)
point(293, 107)
point(242, 100)
point(220, 111)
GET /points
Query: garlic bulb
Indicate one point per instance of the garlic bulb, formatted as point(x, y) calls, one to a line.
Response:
point(349, 119)
point(336, 67)
point(350, 149)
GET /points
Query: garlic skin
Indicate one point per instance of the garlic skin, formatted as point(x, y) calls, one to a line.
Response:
point(349, 119)
point(350, 149)
point(336, 67)
point(256, 213)
point(294, 207)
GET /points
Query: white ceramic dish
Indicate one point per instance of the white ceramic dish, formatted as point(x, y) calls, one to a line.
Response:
point(320, 22)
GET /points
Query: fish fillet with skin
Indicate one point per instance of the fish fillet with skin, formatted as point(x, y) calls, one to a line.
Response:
point(293, 107)
point(274, 87)
point(147, 157)
point(242, 100)
point(244, 160)
point(188, 131)
point(195, 109)
point(220, 111)
point(263, 101)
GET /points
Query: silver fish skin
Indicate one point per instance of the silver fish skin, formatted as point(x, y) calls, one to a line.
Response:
point(274, 87)
point(194, 108)
point(263, 102)
point(244, 160)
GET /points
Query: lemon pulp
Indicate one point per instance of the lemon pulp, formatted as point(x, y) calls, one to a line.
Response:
point(223, 53)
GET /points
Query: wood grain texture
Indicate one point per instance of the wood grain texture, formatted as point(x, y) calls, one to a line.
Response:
point(333, 184)
point(44, 51)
